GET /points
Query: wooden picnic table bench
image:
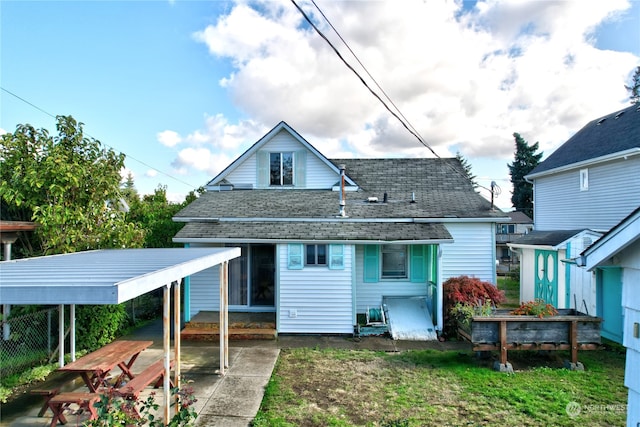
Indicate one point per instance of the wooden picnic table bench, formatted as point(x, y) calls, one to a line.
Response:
point(152, 375)
point(61, 401)
point(95, 367)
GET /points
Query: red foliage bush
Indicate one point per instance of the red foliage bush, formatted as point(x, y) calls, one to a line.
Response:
point(467, 290)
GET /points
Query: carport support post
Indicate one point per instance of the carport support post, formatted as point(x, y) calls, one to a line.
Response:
point(224, 317)
point(61, 335)
point(72, 334)
point(166, 345)
point(176, 334)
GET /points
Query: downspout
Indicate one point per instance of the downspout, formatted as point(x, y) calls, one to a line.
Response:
point(187, 295)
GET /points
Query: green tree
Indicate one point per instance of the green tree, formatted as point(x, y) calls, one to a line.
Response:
point(154, 214)
point(128, 189)
point(634, 87)
point(69, 185)
point(525, 160)
point(467, 169)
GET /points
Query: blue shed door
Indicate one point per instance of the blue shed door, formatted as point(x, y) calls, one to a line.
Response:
point(546, 280)
point(609, 302)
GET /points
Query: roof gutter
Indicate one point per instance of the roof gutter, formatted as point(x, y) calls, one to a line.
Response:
point(344, 220)
point(322, 241)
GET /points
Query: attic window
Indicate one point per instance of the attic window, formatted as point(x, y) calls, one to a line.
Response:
point(281, 168)
point(601, 121)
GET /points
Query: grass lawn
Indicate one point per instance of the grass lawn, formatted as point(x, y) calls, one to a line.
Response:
point(511, 290)
point(332, 387)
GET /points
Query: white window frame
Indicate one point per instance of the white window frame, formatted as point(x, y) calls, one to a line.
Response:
point(394, 249)
point(316, 263)
point(584, 179)
point(282, 175)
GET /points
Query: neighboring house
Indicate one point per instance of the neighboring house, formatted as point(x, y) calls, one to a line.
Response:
point(324, 240)
point(619, 249)
point(582, 190)
point(507, 232)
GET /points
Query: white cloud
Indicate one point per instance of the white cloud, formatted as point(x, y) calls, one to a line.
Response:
point(468, 79)
point(151, 173)
point(2, 131)
point(169, 138)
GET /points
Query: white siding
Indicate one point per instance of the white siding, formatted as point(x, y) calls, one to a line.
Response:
point(527, 275)
point(370, 294)
point(315, 299)
point(205, 291)
point(472, 253)
point(612, 195)
point(319, 175)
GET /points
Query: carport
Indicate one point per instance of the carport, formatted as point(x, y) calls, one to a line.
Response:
point(114, 276)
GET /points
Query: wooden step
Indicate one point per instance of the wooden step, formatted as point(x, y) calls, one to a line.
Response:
point(209, 334)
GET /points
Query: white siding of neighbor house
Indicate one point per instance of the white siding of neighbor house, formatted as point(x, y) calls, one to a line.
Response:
point(370, 294)
point(629, 259)
point(611, 196)
point(318, 174)
point(315, 300)
point(472, 253)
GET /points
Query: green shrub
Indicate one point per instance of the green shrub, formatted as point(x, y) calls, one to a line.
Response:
point(98, 325)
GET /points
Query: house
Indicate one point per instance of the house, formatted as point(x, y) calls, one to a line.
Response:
point(519, 225)
point(619, 249)
point(323, 240)
point(581, 191)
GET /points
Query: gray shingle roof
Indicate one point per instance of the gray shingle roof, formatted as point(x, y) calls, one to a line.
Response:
point(336, 231)
point(613, 133)
point(439, 191)
point(546, 238)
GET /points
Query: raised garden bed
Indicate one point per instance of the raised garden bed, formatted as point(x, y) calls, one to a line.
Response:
point(568, 330)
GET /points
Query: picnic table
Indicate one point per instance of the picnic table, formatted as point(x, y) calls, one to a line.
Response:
point(95, 367)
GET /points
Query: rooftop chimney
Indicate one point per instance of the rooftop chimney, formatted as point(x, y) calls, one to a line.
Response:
point(343, 201)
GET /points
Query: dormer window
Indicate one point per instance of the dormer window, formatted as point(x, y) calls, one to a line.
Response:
point(281, 168)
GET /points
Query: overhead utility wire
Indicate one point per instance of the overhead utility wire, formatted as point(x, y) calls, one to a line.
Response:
point(364, 68)
point(107, 145)
point(406, 125)
point(393, 113)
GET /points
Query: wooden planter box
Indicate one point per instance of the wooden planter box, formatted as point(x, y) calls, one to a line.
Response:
point(568, 330)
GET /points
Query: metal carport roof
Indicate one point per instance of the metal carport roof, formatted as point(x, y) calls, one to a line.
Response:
point(109, 276)
point(113, 276)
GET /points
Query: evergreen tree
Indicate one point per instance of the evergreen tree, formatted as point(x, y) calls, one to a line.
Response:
point(467, 169)
point(525, 160)
point(634, 87)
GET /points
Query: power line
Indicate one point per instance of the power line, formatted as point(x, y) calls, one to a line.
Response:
point(399, 116)
point(107, 145)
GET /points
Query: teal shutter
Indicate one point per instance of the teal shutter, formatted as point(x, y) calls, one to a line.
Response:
point(371, 264)
point(295, 256)
point(336, 257)
point(300, 172)
point(262, 161)
point(418, 264)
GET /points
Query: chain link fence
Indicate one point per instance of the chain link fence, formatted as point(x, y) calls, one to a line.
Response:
point(28, 340)
point(31, 339)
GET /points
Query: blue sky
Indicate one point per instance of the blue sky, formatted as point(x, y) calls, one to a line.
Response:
point(184, 87)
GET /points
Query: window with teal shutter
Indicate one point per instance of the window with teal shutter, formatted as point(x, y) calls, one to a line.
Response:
point(418, 264)
point(371, 265)
point(262, 162)
point(336, 257)
point(295, 256)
